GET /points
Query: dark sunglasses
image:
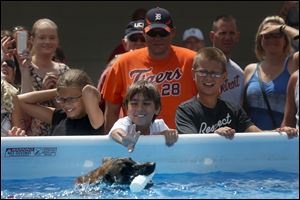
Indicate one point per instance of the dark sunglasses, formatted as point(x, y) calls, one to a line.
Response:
point(136, 37)
point(161, 33)
point(10, 63)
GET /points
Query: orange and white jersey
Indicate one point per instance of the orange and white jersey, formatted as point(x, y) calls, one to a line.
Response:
point(172, 76)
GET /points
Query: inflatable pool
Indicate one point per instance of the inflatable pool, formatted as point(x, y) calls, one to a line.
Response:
point(71, 156)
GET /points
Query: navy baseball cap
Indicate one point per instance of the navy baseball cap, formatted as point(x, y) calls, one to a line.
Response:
point(158, 18)
point(134, 27)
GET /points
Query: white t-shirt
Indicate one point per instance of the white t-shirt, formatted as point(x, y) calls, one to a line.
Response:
point(155, 128)
point(233, 88)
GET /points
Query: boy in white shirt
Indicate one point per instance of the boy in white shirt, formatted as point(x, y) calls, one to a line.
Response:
point(143, 104)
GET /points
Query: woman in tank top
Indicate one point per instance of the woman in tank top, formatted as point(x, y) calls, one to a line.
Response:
point(275, 65)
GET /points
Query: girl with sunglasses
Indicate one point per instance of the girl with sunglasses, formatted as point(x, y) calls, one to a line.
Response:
point(9, 69)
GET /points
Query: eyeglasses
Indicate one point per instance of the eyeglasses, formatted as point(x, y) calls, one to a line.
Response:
point(136, 37)
point(161, 33)
point(204, 73)
point(273, 35)
point(69, 100)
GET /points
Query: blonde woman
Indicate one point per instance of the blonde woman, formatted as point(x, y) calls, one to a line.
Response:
point(39, 71)
point(276, 64)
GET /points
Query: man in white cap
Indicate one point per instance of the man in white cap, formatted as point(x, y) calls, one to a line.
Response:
point(193, 39)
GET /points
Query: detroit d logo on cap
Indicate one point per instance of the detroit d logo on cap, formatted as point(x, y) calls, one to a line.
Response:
point(157, 16)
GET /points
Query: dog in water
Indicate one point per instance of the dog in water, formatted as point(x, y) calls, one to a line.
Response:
point(117, 170)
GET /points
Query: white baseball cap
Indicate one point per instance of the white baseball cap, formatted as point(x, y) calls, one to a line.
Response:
point(195, 32)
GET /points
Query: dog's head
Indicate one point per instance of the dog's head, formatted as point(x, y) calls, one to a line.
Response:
point(124, 170)
point(118, 170)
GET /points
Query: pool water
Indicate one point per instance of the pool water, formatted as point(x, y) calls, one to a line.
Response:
point(258, 184)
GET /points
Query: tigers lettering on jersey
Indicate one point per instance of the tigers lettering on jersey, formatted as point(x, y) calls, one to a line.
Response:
point(164, 78)
point(142, 74)
point(157, 16)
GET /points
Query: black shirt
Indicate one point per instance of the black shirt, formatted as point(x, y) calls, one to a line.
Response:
point(61, 125)
point(193, 117)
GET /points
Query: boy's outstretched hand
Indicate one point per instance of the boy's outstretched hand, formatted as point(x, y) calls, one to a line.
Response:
point(129, 140)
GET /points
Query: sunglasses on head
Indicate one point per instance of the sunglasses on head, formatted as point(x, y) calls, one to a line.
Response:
point(161, 33)
point(136, 37)
point(10, 63)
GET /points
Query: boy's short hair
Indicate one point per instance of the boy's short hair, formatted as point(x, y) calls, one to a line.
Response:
point(148, 90)
point(74, 78)
point(210, 53)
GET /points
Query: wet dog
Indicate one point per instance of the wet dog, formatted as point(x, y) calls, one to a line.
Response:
point(117, 170)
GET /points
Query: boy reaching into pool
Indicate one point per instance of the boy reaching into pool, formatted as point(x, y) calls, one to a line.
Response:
point(143, 104)
point(206, 113)
point(78, 100)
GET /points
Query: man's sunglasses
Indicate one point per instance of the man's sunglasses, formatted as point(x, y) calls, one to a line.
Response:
point(136, 37)
point(161, 33)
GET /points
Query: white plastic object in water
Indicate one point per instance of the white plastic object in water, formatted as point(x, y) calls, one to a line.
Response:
point(140, 182)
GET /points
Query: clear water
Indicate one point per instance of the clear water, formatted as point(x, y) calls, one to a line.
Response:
point(258, 184)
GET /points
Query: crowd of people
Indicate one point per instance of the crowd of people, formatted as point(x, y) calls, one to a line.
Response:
point(152, 86)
